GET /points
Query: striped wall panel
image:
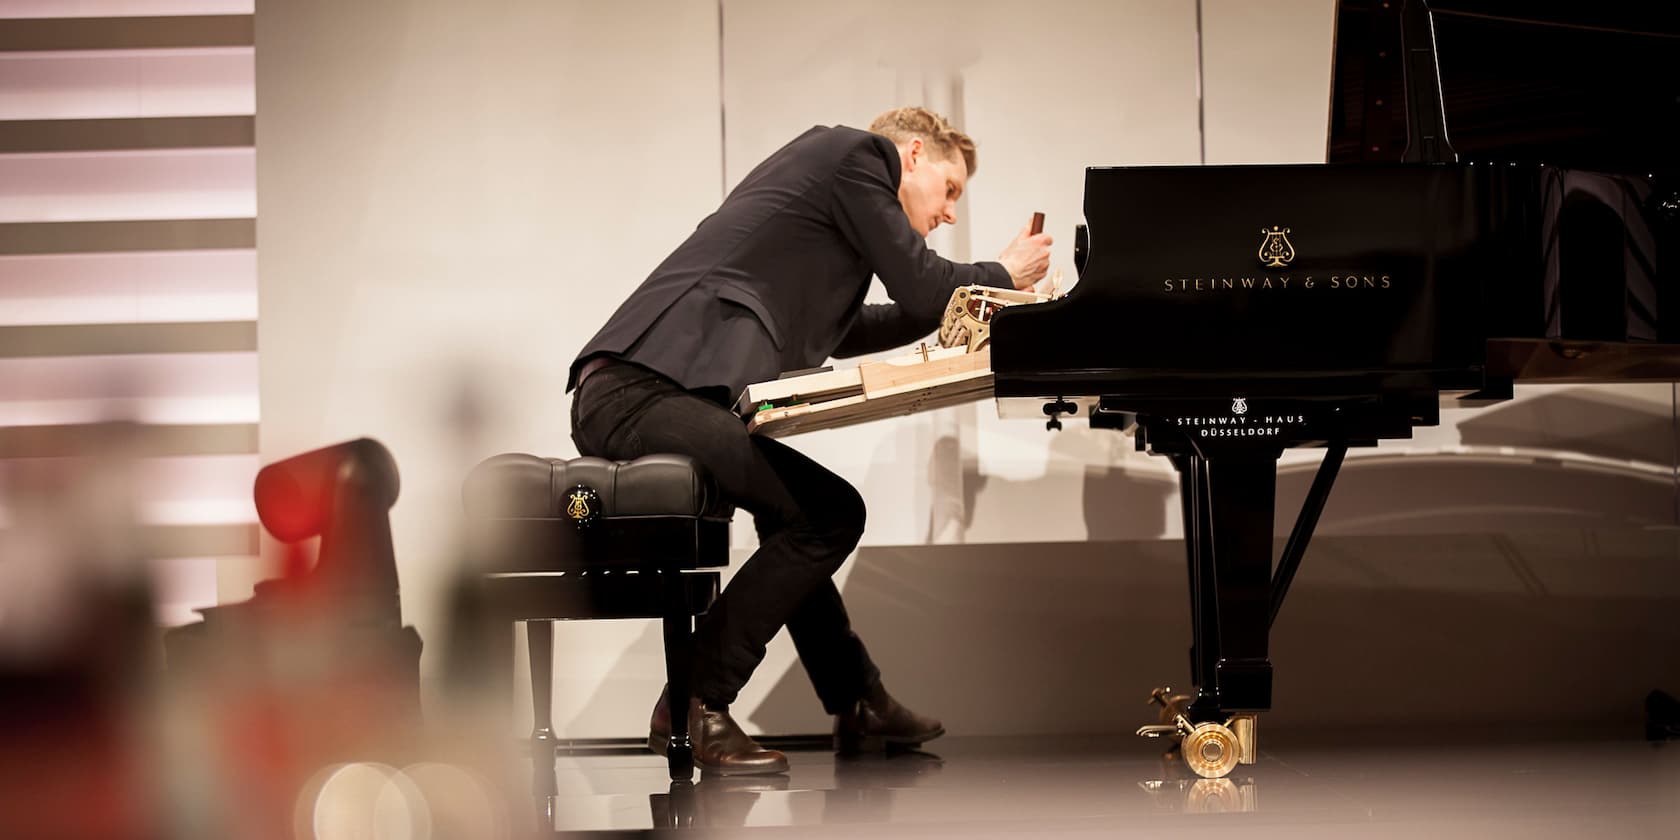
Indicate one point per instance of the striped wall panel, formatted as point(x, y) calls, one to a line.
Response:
point(128, 276)
point(27, 9)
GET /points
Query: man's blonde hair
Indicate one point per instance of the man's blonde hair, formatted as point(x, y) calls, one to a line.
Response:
point(901, 124)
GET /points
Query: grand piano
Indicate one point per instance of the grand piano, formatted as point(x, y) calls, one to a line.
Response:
point(1225, 313)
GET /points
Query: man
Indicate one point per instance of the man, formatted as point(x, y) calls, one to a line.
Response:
point(771, 282)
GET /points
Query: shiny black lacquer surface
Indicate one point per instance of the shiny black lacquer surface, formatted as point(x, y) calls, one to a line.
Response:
point(1225, 313)
point(1397, 277)
point(1386, 285)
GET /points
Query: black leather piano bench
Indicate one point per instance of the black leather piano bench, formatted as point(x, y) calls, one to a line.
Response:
point(587, 538)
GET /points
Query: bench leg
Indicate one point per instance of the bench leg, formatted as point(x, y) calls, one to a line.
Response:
point(679, 641)
point(541, 636)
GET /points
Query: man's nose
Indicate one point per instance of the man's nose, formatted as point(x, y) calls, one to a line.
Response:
point(950, 217)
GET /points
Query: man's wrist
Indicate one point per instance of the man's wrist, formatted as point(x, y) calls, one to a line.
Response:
point(1000, 275)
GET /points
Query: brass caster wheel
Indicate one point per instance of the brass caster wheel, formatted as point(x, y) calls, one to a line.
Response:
point(1211, 750)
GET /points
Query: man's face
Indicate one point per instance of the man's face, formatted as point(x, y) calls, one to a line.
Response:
point(930, 186)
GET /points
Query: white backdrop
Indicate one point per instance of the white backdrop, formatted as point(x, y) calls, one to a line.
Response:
point(453, 197)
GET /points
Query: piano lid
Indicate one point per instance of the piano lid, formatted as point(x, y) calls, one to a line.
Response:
point(1588, 84)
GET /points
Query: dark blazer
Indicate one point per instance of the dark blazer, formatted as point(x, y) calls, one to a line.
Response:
point(774, 280)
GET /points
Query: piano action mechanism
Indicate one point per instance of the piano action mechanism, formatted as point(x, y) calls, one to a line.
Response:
point(957, 371)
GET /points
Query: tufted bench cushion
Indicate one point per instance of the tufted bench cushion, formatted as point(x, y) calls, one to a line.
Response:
point(531, 514)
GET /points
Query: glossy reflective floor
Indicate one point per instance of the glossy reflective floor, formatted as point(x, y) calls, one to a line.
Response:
point(1101, 787)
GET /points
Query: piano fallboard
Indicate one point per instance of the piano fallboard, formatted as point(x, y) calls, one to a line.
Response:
point(1358, 279)
point(1302, 273)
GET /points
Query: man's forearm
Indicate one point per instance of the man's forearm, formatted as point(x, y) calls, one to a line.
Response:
point(882, 326)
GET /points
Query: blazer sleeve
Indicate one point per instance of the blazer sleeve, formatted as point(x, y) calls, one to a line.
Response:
point(867, 212)
point(881, 326)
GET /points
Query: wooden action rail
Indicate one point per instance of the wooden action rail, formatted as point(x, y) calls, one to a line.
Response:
point(958, 371)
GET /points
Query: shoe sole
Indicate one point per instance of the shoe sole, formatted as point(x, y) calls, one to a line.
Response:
point(656, 742)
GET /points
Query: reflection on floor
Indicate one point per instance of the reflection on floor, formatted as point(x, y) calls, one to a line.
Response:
point(1109, 786)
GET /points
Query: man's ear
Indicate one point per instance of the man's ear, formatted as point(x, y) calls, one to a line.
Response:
point(912, 153)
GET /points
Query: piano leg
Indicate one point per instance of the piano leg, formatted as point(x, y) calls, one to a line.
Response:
point(1240, 491)
point(1227, 499)
point(1204, 623)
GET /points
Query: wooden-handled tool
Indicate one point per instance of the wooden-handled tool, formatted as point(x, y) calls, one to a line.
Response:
point(1035, 229)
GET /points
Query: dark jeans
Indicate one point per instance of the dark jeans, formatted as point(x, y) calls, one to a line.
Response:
point(808, 520)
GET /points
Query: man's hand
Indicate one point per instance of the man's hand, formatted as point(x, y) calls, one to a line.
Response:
point(1027, 258)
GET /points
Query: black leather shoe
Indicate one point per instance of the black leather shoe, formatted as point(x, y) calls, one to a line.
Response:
point(878, 722)
point(720, 746)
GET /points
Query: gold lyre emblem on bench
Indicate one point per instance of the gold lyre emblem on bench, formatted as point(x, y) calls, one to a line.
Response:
point(583, 505)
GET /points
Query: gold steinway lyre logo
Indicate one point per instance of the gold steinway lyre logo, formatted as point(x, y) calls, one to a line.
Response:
point(578, 508)
point(1275, 250)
